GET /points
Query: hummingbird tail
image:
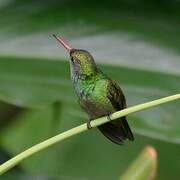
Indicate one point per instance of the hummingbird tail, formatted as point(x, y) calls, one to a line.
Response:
point(117, 131)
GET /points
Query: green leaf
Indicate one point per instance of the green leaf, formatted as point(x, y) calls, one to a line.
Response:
point(34, 82)
point(124, 33)
point(144, 167)
point(37, 83)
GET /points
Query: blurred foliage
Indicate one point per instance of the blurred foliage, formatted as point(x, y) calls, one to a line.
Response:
point(155, 20)
point(43, 87)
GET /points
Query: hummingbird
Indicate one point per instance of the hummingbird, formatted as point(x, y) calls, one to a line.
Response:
point(98, 95)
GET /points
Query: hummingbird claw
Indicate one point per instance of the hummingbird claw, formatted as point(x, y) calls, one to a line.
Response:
point(89, 124)
point(108, 117)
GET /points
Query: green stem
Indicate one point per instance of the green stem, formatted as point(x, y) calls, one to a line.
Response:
point(49, 142)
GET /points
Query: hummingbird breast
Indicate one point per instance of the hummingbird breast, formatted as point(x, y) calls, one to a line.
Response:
point(102, 97)
point(93, 98)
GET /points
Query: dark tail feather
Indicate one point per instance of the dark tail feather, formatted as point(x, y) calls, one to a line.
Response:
point(117, 131)
point(127, 129)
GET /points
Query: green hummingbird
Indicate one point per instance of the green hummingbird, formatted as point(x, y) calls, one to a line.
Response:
point(98, 94)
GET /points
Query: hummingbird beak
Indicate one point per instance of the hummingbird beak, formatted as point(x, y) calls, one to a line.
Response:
point(62, 42)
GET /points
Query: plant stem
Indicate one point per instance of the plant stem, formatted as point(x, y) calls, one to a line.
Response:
point(49, 142)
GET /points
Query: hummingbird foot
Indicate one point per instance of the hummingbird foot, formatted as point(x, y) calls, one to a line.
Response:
point(89, 124)
point(108, 117)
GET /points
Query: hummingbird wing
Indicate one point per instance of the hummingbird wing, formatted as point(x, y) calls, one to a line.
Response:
point(117, 130)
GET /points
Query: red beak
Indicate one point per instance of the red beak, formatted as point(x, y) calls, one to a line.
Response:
point(62, 42)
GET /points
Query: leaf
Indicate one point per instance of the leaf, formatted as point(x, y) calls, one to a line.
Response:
point(123, 33)
point(37, 83)
point(33, 83)
point(144, 167)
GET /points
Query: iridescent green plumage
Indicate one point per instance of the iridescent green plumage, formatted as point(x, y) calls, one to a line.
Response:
point(98, 95)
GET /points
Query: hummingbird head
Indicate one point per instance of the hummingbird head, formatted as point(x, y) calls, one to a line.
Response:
point(81, 61)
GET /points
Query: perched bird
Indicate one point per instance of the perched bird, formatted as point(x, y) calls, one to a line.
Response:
point(98, 95)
